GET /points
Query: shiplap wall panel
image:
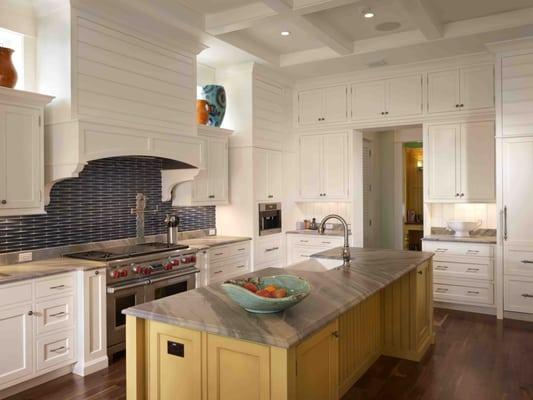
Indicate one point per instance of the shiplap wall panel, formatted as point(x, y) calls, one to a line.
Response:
point(124, 79)
point(270, 119)
point(517, 95)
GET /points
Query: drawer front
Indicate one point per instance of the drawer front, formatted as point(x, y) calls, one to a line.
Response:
point(317, 241)
point(240, 249)
point(220, 252)
point(228, 268)
point(54, 286)
point(479, 294)
point(302, 253)
point(54, 314)
point(459, 249)
point(16, 293)
point(54, 350)
point(463, 270)
point(268, 251)
point(518, 294)
point(518, 260)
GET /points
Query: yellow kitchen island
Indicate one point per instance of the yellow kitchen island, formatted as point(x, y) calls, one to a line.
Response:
point(199, 345)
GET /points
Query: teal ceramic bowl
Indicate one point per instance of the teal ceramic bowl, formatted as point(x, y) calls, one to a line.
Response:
point(297, 289)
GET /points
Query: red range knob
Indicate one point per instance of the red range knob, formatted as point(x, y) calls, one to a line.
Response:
point(193, 259)
point(168, 267)
point(124, 273)
point(175, 262)
point(115, 274)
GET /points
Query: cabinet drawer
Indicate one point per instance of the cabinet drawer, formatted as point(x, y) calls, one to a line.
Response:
point(472, 293)
point(228, 268)
point(56, 285)
point(316, 241)
point(459, 249)
point(463, 270)
point(518, 260)
point(54, 314)
point(268, 250)
point(15, 294)
point(220, 252)
point(518, 294)
point(55, 349)
point(240, 249)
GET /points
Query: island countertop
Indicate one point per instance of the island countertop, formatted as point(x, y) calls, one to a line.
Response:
point(333, 292)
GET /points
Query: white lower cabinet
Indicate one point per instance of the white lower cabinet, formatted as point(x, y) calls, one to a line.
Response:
point(268, 252)
point(301, 247)
point(55, 349)
point(463, 273)
point(224, 262)
point(518, 294)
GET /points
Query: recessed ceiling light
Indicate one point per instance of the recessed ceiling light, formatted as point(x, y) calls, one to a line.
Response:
point(285, 33)
point(368, 14)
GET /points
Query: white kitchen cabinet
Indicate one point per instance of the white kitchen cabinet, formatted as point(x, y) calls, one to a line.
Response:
point(388, 98)
point(461, 89)
point(16, 352)
point(325, 105)
point(301, 247)
point(268, 252)
point(225, 262)
point(21, 152)
point(460, 162)
point(267, 175)
point(324, 167)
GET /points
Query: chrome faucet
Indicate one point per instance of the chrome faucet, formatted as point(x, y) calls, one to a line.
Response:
point(346, 249)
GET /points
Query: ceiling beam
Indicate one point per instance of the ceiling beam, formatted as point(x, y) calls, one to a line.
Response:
point(311, 6)
point(424, 17)
point(255, 49)
point(237, 19)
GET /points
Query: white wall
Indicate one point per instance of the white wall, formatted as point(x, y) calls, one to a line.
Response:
point(441, 213)
point(205, 74)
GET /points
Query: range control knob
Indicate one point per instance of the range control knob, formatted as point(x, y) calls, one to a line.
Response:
point(123, 273)
point(193, 259)
point(169, 266)
point(115, 274)
point(175, 262)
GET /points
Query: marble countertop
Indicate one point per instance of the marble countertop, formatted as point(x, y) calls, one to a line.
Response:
point(202, 243)
point(333, 292)
point(315, 232)
point(467, 239)
point(39, 269)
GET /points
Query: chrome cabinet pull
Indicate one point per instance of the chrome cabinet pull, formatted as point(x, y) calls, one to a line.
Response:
point(441, 290)
point(527, 295)
point(59, 349)
point(241, 249)
point(271, 249)
point(472, 292)
point(440, 250)
point(472, 251)
point(241, 266)
point(505, 223)
point(441, 267)
point(57, 287)
point(326, 242)
point(527, 261)
point(59, 314)
point(217, 272)
point(472, 269)
point(218, 254)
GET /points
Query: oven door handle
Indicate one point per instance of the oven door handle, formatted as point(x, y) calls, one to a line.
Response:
point(115, 289)
point(167, 277)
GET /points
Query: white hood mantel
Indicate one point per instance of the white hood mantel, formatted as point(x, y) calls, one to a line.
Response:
point(118, 91)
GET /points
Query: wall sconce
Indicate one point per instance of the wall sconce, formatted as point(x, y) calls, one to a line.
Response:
point(419, 165)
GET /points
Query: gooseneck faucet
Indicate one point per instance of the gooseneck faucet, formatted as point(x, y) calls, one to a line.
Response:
point(346, 249)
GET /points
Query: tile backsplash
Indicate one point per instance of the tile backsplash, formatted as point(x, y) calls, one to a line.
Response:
point(441, 213)
point(96, 207)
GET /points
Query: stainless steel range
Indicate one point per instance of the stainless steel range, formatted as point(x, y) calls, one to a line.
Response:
point(141, 273)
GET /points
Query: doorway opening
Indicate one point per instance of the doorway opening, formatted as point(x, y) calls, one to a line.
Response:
point(413, 191)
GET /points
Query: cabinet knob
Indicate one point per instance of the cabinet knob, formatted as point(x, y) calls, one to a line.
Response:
point(96, 272)
point(4, 201)
point(270, 196)
point(456, 194)
point(462, 194)
point(457, 106)
point(420, 272)
point(461, 105)
point(211, 196)
point(30, 313)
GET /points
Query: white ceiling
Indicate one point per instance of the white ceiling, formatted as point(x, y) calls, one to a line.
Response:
point(331, 36)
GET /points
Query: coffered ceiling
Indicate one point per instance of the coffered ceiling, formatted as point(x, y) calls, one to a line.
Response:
point(328, 36)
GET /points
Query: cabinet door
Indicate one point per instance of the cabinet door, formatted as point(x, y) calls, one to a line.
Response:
point(477, 87)
point(16, 352)
point(21, 158)
point(335, 104)
point(275, 171)
point(310, 106)
point(368, 100)
point(443, 91)
point(478, 163)
point(404, 96)
point(175, 363)
point(335, 166)
point(237, 370)
point(261, 174)
point(310, 166)
point(200, 185)
point(423, 307)
point(317, 369)
point(441, 152)
point(217, 169)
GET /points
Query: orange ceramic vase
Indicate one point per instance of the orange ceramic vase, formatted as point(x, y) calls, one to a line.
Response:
point(8, 73)
point(202, 112)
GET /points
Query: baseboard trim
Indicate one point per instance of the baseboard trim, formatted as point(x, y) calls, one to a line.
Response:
point(88, 368)
point(39, 380)
point(518, 316)
point(466, 308)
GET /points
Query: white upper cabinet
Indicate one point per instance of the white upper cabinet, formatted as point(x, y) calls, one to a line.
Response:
point(466, 88)
point(325, 105)
point(460, 162)
point(267, 175)
point(388, 98)
point(21, 153)
point(324, 167)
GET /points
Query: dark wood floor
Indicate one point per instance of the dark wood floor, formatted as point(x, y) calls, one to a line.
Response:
point(475, 358)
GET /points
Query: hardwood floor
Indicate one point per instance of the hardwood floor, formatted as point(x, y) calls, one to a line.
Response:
point(475, 358)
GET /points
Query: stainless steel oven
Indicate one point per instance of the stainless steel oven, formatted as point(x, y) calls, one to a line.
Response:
point(169, 285)
point(269, 218)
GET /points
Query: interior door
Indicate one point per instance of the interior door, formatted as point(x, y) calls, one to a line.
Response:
point(275, 171)
point(441, 148)
point(478, 164)
point(443, 91)
point(368, 100)
point(335, 104)
point(477, 87)
point(310, 166)
point(218, 169)
point(335, 166)
point(404, 96)
point(310, 103)
point(21, 151)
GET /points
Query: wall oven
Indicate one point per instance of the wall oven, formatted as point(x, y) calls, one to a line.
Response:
point(269, 218)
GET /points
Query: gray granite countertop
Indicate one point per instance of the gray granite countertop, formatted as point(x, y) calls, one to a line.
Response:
point(333, 292)
point(212, 241)
point(467, 239)
point(315, 232)
point(39, 269)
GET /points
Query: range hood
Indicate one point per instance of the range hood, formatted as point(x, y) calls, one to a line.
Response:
point(118, 91)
